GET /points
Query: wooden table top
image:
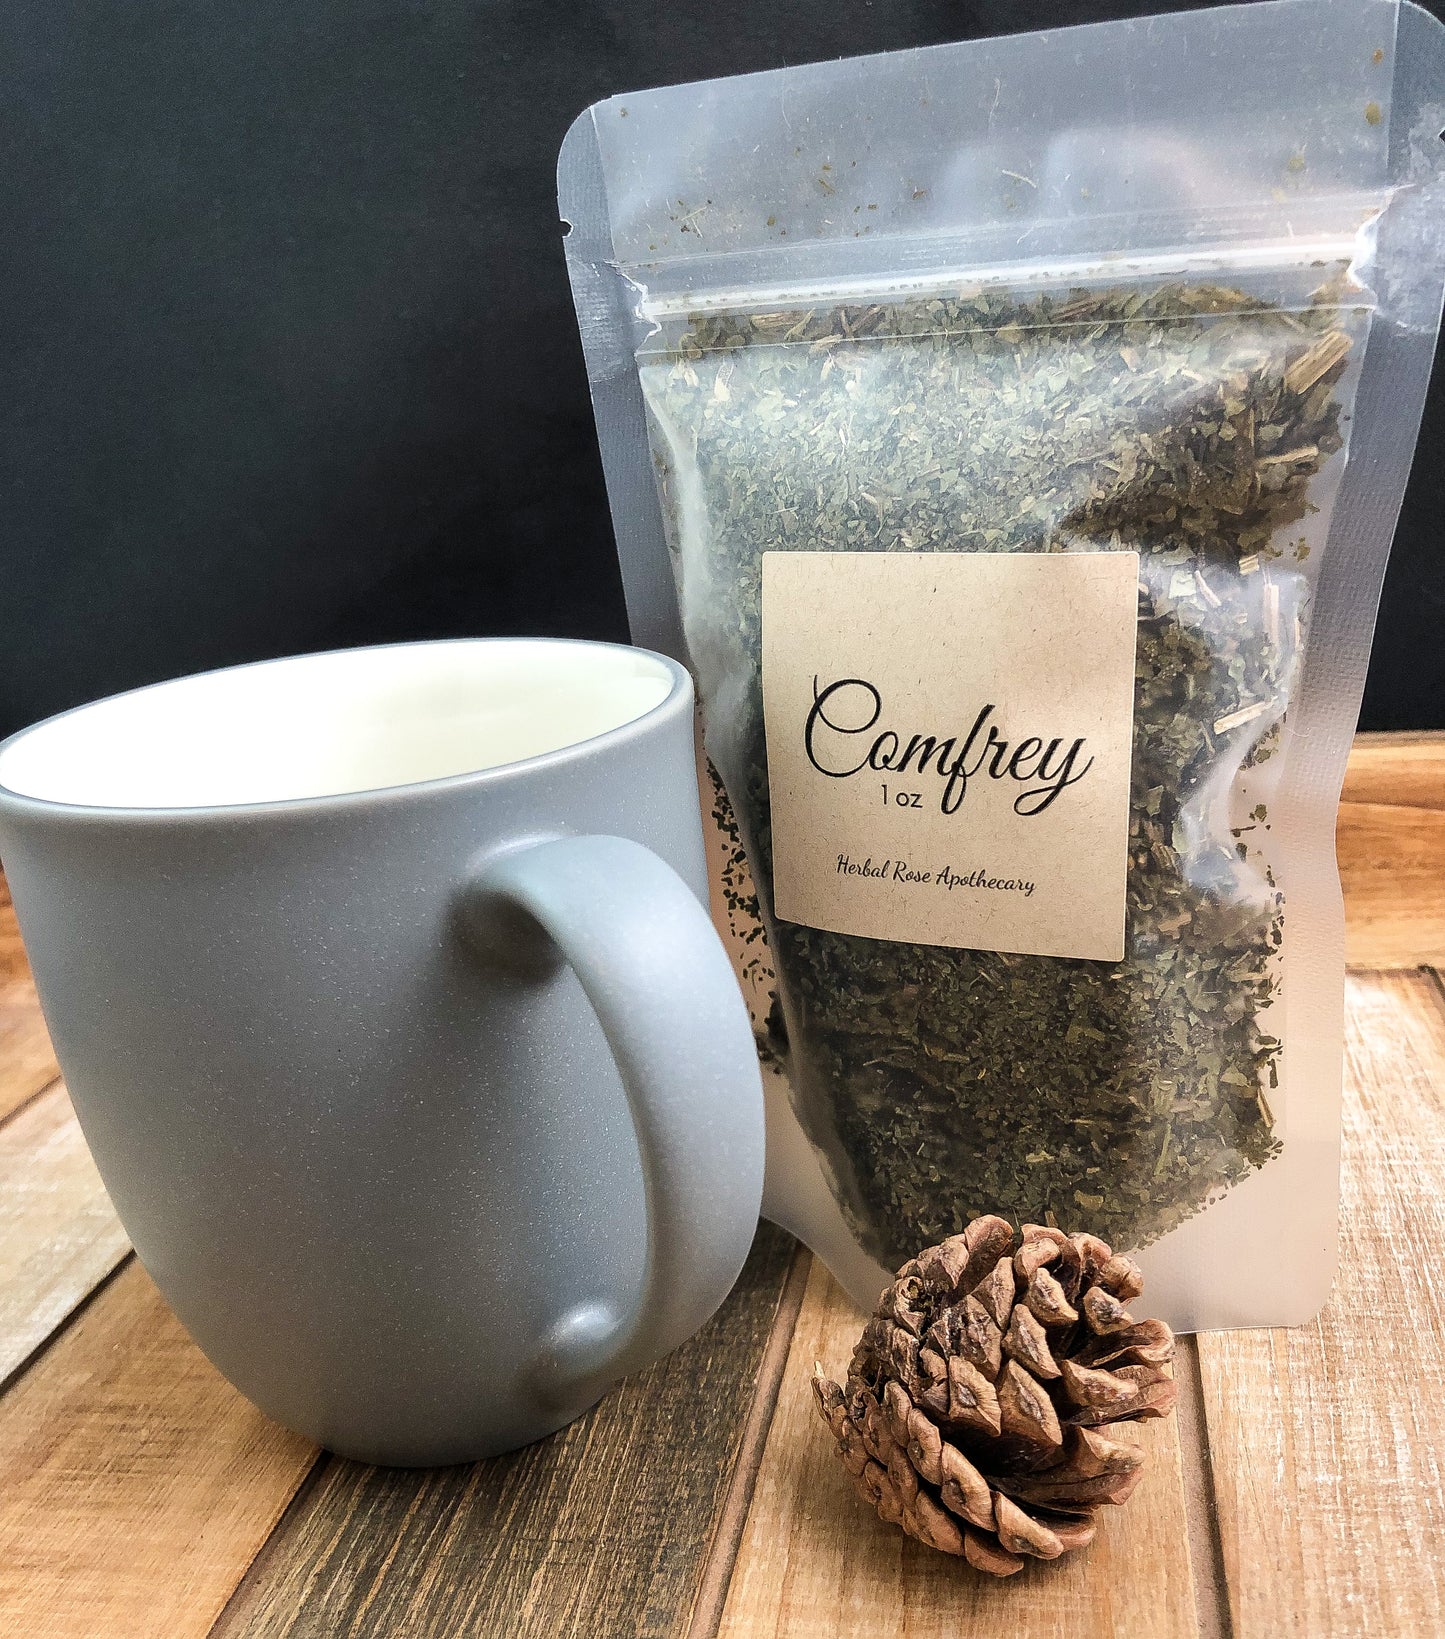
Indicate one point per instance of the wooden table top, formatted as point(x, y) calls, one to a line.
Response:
point(1301, 1490)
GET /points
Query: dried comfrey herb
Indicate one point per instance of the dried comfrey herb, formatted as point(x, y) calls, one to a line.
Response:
point(1186, 423)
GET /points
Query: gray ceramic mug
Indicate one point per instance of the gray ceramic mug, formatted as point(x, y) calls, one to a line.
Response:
point(406, 1050)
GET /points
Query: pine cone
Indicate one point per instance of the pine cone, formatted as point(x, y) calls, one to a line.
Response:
point(976, 1390)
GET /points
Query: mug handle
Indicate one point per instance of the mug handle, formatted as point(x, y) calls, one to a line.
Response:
point(662, 986)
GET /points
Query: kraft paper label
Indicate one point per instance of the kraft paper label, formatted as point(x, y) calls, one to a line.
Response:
point(949, 739)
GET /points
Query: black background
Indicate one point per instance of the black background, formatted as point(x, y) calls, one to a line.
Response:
point(290, 354)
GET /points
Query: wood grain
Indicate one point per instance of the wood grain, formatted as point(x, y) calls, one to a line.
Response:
point(135, 1484)
point(59, 1235)
point(816, 1563)
point(1403, 770)
point(726, 1538)
point(601, 1530)
point(27, 1063)
point(12, 953)
point(1390, 840)
point(1327, 1441)
point(1392, 870)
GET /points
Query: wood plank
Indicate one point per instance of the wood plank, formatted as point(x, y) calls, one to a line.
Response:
point(27, 1063)
point(727, 1536)
point(1404, 770)
point(12, 952)
point(27, 1060)
point(135, 1484)
point(1206, 1551)
point(59, 1235)
point(603, 1529)
point(817, 1563)
point(1392, 871)
point(1328, 1441)
point(1390, 839)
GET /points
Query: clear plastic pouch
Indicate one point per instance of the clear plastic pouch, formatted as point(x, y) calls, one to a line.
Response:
point(1166, 288)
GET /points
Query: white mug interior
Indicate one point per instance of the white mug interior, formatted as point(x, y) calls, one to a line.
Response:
point(325, 725)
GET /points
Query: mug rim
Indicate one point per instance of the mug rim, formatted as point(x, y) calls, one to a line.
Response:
point(678, 696)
